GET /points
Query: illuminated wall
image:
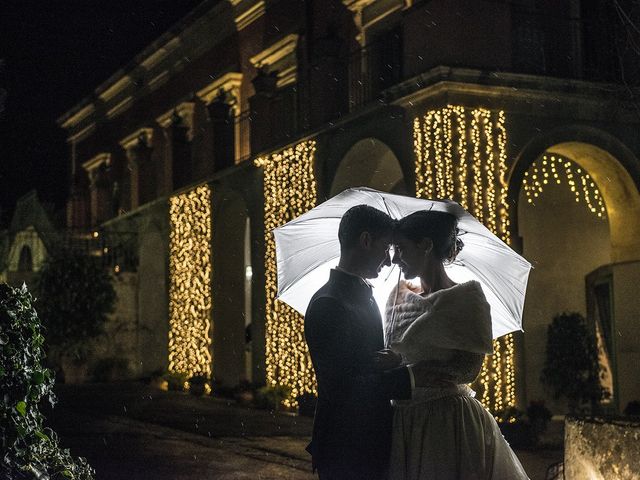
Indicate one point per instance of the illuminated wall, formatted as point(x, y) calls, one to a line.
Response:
point(190, 282)
point(289, 191)
point(461, 154)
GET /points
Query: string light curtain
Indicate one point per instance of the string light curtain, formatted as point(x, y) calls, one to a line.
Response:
point(461, 155)
point(190, 282)
point(289, 191)
point(554, 169)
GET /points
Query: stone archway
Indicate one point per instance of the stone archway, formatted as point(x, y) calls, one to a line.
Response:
point(610, 163)
point(566, 244)
point(231, 302)
point(369, 163)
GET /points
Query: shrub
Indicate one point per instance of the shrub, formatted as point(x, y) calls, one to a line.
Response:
point(198, 385)
point(75, 297)
point(176, 381)
point(28, 449)
point(571, 369)
point(271, 397)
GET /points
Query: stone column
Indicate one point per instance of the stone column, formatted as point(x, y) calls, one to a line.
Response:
point(177, 129)
point(97, 169)
point(266, 86)
point(222, 118)
point(100, 194)
point(138, 149)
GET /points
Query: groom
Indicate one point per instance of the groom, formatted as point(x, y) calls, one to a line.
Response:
point(343, 329)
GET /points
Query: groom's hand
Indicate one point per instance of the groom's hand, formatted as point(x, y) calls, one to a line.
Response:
point(425, 377)
point(386, 360)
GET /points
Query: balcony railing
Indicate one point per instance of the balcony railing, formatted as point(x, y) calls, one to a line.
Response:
point(374, 68)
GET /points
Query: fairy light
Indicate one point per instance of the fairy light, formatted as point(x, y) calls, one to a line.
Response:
point(474, 175)
point(190, 282)
point(559, 170)
point(289, 191)
point(463, 190)
point(476, 192)
point(505, 231)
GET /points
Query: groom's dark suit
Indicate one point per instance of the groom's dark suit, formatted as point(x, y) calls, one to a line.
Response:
point(352, 426)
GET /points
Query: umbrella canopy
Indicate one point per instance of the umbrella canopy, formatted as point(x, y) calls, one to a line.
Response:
point(307, 248)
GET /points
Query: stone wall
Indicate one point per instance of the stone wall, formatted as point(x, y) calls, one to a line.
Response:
point(599, 449)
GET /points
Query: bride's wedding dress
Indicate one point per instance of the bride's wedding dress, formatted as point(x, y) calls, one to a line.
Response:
point(445, 433)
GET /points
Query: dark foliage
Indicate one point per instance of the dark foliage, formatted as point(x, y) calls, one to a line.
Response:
point(571, 369)
point(75, 298)
point(29, 450)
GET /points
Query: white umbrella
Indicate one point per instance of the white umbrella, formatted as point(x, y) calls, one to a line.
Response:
point(307, 248)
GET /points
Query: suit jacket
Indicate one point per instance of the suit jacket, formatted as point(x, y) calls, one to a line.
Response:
point(352, 424)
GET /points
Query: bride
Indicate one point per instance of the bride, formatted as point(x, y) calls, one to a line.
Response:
point(443, 432)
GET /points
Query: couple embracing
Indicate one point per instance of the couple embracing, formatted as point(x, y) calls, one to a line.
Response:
point(401, 408)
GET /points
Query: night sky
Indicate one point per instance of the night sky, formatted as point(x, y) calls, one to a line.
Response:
point(54, 54)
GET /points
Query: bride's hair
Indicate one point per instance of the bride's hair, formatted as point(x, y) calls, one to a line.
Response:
point(440, 227)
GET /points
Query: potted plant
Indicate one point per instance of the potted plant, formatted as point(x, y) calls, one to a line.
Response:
point(198, 385)
point(176, 381)
point(571, 369)
point(271, 397)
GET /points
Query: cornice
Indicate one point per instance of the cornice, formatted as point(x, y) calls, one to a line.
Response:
point(131, 141)
point(250, 15)
point(159, 80)
point(80, 115)
point(95, 162)
point(159, 55)
point(204, 27)
point(185, 110)
point(356, 5)
point(119, 86)
point(229, 82)
point(82, 134)
point(120, 107)
point(276, 52)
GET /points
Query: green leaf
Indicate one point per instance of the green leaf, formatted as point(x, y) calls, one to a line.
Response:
point(67, 474)
point(41, 435)
point(38, 378)
point(21, 407)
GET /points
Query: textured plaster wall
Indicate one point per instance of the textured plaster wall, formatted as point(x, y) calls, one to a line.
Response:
point(564, 241)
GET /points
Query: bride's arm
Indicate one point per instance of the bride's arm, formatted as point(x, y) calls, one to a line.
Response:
point(463, 367)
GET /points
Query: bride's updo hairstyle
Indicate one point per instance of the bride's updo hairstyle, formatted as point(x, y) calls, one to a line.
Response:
point(440, 227)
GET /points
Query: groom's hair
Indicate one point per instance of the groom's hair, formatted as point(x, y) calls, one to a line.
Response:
point(363, 218)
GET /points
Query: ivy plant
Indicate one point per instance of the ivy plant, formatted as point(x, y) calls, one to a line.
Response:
point(29, 450)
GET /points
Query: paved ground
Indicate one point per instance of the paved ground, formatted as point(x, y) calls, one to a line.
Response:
point(130, 431)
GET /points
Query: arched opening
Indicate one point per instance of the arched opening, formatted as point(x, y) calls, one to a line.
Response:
point(25, 262)
point(231, 309)
point(369, 163)
point(578, 217)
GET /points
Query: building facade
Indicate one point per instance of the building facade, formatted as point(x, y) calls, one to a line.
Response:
point(249, 112)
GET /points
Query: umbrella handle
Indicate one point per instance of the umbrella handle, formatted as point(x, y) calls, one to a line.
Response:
point(392, 322)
